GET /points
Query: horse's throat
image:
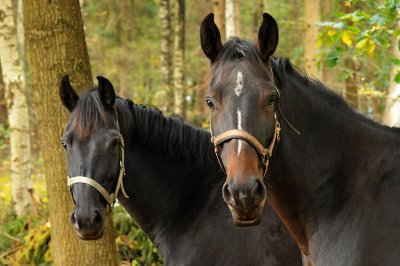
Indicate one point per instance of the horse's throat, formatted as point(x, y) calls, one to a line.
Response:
point(292, 222)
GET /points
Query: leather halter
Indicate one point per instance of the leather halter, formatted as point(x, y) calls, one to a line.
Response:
point(109, 197)
point(265, 153)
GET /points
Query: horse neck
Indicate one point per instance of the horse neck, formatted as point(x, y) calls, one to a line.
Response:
point(316, 173)
point(167, 193)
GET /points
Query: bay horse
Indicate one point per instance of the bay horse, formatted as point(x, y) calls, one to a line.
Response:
point(169, 182)
point(331, 174)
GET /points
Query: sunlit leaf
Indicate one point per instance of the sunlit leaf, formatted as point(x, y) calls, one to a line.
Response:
point(370, 47)
point(331, 33)
point(353, 29)
point(347, 38)
point(361, 44)
point(336, 25)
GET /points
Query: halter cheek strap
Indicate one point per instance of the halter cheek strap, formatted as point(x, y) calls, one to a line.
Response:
point(265, 153)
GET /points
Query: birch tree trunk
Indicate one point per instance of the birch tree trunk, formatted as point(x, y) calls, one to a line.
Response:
point(179, 58)
point(3, 106)
point(56, 46)
point(164, 92)
point(258, 11)
point(219, 16)
point(392, 109)
point(311, 51)
point(18, 115)
point(236, 17)
point(229, 19)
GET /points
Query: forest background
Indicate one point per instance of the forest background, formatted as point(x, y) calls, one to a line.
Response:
point(151, 52)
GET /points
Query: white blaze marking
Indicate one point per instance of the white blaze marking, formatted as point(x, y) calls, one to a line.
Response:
point(239, 82)
point(239, 126)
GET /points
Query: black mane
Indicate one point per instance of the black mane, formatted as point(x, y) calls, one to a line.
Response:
point(284, 70)
point(171, 135)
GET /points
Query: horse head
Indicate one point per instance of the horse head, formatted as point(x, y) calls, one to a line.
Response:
point(241, 97)
point(95, 154)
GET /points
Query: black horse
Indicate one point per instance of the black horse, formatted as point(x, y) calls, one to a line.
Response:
point(172, 180)
point(335, 185)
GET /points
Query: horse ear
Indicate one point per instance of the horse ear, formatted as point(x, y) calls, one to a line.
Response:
point(106, 92)
point(210, 38)
point(67, 94)
point(268, 36)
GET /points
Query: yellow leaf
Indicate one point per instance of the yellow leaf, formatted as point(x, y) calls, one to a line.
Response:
point(331, 33)
point(347, 38)
point(370, 47)
point(347, 4)
point(361, 44)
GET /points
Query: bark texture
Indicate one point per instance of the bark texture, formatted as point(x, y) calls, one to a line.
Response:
point(56, 46)
point(179, 59)
point(163, 95)
point(311, 51)
point(219, 16)
point(229, 19)
point(17, 106)
point(392, 110)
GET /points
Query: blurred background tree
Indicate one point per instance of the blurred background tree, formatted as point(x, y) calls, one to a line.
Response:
point(351, 45)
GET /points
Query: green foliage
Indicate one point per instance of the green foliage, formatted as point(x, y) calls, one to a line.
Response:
point(362, 34)
point(28, 240)
point(133, 244)
point(25, 241)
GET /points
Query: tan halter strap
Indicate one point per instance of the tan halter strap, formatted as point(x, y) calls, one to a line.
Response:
point(265, 153)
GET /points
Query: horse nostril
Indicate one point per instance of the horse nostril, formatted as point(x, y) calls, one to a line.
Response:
point(97, 218)
point(74, 220)
point(259, 190)
point(226, 193)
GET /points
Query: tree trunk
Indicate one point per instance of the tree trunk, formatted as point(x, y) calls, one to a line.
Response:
point(18, 115)
point(3, 106)
point(351, 83)
point(164, 91)
point(179, 58)
point(229, 19)
point(236, 17)
point(311, 51)
point(258, 11)
point(56, 46)
point(219, 16)
point(392, 109)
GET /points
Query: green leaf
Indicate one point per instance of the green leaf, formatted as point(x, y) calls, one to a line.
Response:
point(353, 29)
point(395, 61)
point(332, 59)
point(397, 77)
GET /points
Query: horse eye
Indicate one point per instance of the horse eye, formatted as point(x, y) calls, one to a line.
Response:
point(271, 99)
point(210, 104)
point(64, 145)
point(115, 143)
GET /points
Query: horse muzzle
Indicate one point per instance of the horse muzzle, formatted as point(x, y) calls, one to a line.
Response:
point(88, 226)
point(245, 201)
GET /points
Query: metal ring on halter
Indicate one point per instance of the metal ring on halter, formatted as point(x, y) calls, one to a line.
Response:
point(109, 197)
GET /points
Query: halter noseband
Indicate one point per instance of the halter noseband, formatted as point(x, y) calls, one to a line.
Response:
point(265, 153)
point(109, 197)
